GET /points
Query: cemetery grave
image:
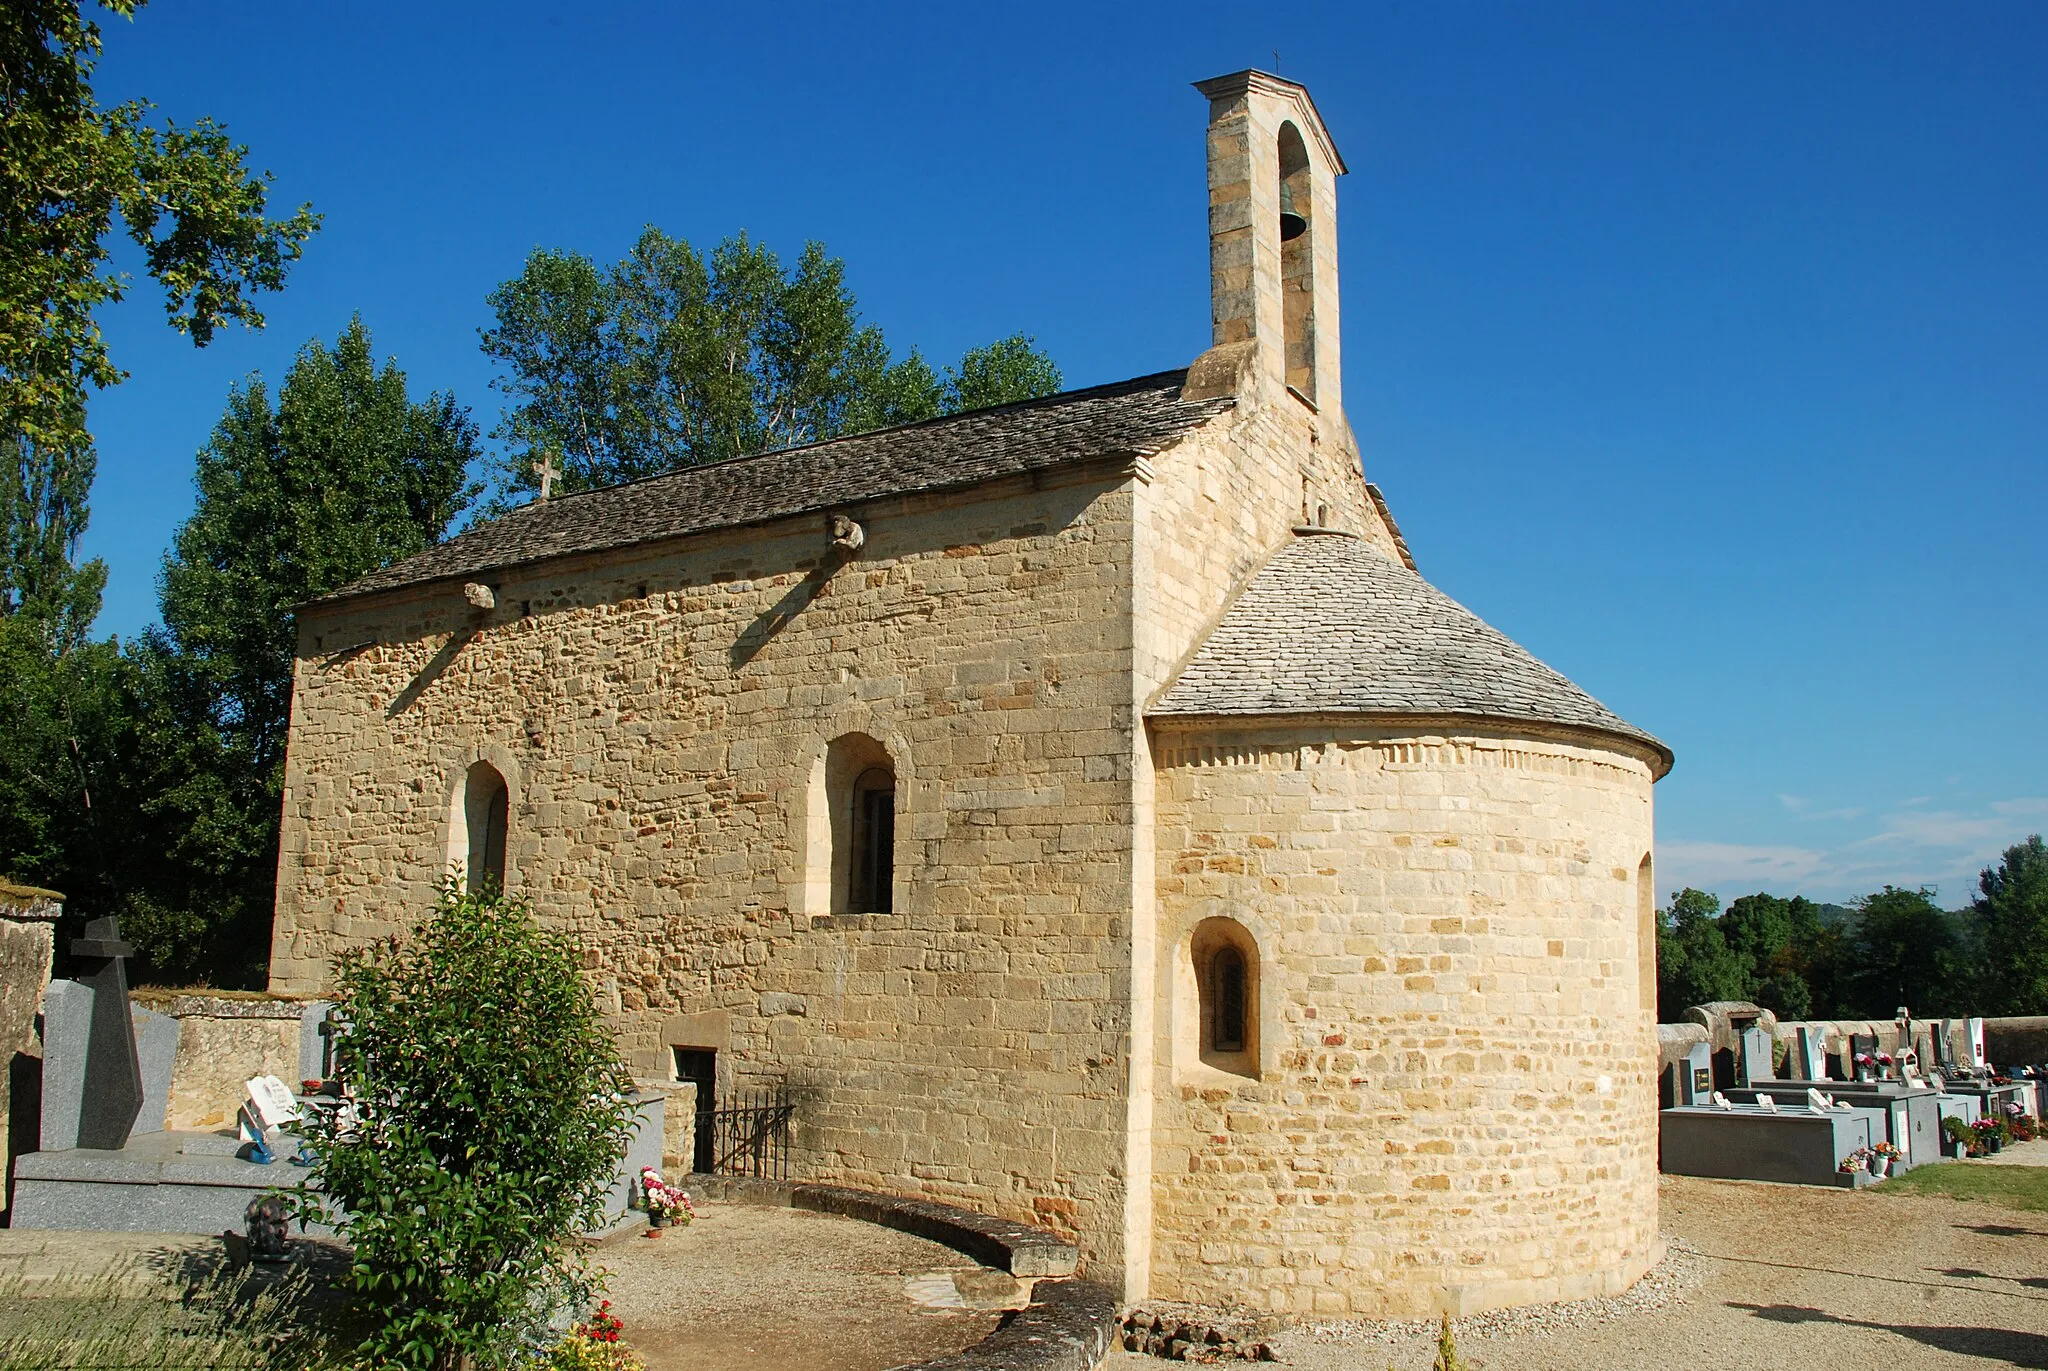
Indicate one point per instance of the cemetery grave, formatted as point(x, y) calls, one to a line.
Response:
point(1845, 1117)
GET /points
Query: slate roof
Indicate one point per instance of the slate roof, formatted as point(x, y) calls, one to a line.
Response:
point(1130, 418)
point(1330, 626)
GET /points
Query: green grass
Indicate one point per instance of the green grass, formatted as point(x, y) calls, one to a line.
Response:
point(2014, 1187)
point(219, 1320)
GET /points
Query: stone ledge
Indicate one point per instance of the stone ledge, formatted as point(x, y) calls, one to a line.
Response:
point(1015, 1247)
point(1070, 1325)
point(214, 1004)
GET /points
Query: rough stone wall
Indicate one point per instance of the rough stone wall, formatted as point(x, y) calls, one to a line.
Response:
point(1456, 1106)
point(28, 920)
point(223, 1041)
point(657, 715)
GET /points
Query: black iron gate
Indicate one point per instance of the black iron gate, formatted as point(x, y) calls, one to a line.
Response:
point(748, 1134)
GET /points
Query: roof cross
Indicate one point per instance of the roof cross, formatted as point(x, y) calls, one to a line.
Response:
point(545, 468)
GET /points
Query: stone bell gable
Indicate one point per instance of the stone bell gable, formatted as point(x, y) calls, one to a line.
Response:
point(1081, 810)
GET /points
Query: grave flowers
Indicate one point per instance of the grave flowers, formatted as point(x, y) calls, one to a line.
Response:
point(1990, 1136)
point(1883, 1157)
point(666, 1204)
point(593, 1345)
point(1856, 1162)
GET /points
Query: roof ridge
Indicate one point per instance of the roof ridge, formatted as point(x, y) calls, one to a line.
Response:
point(1140, 415)
point(1079, 392)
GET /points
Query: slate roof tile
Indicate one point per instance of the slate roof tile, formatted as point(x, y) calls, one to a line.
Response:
point(1330, 626)
point(1130, 418)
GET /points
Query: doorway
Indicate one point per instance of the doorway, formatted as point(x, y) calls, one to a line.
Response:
point(699, 1065)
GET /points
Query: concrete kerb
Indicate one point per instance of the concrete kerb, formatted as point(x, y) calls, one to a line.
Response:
point(1070, 1324)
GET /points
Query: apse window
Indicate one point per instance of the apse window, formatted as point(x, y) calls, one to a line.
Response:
point(483, 818)
point(1226, 967)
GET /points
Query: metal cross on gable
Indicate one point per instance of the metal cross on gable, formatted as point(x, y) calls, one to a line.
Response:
point(545, 468)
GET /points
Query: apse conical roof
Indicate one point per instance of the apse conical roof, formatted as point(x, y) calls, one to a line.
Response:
point(1329, 626)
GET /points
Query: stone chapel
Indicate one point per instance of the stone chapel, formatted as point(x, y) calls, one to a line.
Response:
point(1082, 806)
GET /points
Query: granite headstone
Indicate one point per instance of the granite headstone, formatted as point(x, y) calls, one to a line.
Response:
point(113, 1069)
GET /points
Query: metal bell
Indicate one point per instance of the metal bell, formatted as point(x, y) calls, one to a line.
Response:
point(1292, 225)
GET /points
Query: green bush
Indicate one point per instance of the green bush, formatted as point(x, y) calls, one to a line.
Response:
point(489, 1108)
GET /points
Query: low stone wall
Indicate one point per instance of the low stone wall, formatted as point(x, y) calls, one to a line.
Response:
point(679, 1122)
point(28, 923)
point(223, 1040)
point(2014, 1041)
point(2017, 1040)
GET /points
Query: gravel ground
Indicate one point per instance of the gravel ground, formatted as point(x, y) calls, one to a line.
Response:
point(1764, 1277)
point(761, 1289)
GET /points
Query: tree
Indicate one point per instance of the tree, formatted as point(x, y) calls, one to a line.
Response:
point(1695, 965)
point(344, 473)
point(1902, 951)
point(665, 360)
point(490, 1108)
point(68, 168)
point(2010, 916)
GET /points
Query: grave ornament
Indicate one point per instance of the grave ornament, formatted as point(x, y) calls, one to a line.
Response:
point(269, 1105)
point(1723, 1101)
point(1768, 1103)
point(113, 1069)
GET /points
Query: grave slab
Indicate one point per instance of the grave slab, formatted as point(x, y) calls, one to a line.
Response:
point(1746, 1144)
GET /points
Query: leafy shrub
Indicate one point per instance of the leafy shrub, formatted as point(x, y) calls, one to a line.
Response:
point(488, 1108)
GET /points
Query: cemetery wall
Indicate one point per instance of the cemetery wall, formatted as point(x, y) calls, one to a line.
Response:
point(28, 920)
point(1454, 1102)
point(658, 715)
point(224, 1041)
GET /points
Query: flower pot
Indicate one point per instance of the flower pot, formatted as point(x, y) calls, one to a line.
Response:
point(1881, 1168)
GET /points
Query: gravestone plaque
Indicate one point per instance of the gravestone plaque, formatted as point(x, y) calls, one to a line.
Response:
point(1810, 1054)
point(1756, 1057)
point(1692, 1077)
point(113, 1070)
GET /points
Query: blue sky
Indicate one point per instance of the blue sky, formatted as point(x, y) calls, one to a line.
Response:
point(1701, 347)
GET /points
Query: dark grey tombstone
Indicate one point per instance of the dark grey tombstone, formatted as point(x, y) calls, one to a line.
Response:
point(1862, 1045)
point(1756, 1057)
point(113, 1068)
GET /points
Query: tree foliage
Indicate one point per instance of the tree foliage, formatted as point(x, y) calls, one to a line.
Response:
point(343, 473)
point(490, 1108)
point(667, 359)
point(1902, 951)
point(1695, 965)
point(68, 171)
point(2011, 926)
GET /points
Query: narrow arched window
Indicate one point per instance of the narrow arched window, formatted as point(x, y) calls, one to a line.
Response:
point(873, 830)
point(486, 818)
point(1225, 1022)
point(1226, 1000)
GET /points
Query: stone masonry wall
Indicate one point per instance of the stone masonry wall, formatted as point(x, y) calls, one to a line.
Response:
point(28, 921)
point(657, 716)
point(1456, 1103)
point(1217, 507)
